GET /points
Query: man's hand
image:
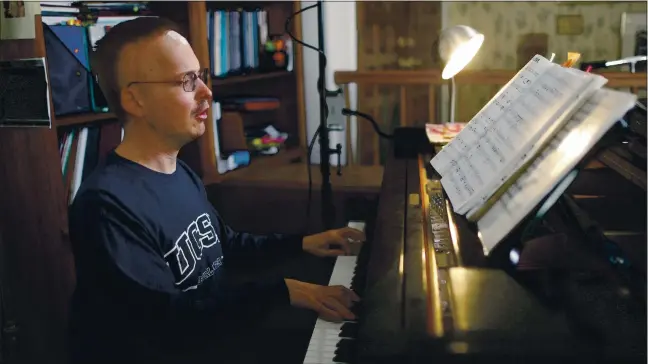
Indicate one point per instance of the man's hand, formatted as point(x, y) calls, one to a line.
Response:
point(332, 243)
point(331, 303)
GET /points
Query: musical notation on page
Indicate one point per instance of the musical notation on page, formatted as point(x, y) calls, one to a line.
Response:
point(534, 100)
point(561, 155)
point(485, 118)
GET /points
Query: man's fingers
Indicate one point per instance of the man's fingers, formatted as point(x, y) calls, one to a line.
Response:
point(353, 295)
point(341, 244)
point(334, 253)
point(353, 234)
point(346, 296)
point(329, 314)
point(339, 308)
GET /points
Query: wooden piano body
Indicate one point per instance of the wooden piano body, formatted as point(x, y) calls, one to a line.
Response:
point(433, 296)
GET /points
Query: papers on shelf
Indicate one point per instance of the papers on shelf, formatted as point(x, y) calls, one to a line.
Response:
point(443, 133)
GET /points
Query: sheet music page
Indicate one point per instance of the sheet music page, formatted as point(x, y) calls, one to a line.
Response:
point(584, 129)
point(527, 75)
point(497, 140)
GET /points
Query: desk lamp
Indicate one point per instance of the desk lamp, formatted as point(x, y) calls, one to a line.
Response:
point(457, 47)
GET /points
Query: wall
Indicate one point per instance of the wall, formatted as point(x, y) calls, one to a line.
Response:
point(340, 45)
point(502, 23)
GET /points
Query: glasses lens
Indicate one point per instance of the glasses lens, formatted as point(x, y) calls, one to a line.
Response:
point(188, 83)
point(204, 75)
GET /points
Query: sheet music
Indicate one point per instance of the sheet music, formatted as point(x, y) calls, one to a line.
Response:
point(527, 75)
point(496, 141)
point(566, 149)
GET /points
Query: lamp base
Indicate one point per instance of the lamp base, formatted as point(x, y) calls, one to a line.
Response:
point(411, 141)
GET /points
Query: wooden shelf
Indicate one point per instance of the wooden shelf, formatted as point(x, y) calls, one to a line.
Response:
point(77, 119)
point(249, 78)
point(288, 170)
point(235, 5)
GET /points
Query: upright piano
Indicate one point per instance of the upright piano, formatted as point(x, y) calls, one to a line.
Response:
point(558, 289)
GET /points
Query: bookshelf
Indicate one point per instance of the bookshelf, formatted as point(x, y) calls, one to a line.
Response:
point(78, 119)
point(284, 85)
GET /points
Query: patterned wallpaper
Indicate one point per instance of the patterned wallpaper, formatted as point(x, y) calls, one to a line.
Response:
point(503, 23)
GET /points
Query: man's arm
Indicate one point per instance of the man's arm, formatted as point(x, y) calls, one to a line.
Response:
point(116, 254)
point(240, 244)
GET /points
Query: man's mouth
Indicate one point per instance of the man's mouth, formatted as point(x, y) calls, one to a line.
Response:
point(202, 114)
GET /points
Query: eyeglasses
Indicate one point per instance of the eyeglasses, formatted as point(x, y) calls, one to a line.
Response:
point(188, 82)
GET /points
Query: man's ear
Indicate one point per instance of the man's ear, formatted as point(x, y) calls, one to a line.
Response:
point(131, 102)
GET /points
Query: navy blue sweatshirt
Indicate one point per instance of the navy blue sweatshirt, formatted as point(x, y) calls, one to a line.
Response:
point(151, 257)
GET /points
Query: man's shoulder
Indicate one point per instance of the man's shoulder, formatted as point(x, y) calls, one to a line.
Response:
point(109, 195)
point(193, 175)
point(112, 183)
point(108, 179)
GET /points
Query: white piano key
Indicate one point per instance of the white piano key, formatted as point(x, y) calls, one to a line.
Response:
point(323, 324)
point(326, 335)
point(343, 271)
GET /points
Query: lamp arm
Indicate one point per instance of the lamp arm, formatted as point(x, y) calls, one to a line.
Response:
point(453, 98)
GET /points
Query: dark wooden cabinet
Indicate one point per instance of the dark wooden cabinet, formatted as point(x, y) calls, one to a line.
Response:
point(36, 265)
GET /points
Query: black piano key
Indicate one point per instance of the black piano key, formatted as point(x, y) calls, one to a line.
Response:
point(349, 330)
point(358, 283)
point(356, 309)
point(345, 352)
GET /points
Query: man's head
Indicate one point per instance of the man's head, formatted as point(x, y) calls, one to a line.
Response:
point(150, 76)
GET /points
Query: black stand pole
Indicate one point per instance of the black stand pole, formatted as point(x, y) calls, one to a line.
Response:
point(328, 210)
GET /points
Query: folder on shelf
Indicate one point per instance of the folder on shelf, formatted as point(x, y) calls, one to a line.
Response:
point(68, 63)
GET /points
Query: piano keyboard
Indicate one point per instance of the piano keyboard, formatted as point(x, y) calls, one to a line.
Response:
point(331, 342)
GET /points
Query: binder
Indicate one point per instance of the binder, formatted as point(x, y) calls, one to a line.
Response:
point(68, 64)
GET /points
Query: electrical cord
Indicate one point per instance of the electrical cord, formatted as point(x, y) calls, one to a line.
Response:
point(322, 101)
point(349, 112)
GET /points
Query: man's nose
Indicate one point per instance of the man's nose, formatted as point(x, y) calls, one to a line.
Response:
point(203, 92)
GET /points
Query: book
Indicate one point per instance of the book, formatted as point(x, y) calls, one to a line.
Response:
point(497, 141)
point(553, 170)
point(524, 142)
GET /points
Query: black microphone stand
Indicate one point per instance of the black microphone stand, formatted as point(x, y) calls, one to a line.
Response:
point(328, 209)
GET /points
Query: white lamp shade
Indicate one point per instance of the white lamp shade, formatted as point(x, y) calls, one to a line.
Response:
point(457, 47)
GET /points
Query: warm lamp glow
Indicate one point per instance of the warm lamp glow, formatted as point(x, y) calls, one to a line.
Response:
point(457, 47)
point(462, 56)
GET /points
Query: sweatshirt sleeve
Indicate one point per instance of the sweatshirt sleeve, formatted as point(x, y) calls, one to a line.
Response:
point(240, 245)
point(118, 257)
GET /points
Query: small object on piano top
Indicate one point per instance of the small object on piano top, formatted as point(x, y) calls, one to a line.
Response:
point(358, 225)
point(356, 245)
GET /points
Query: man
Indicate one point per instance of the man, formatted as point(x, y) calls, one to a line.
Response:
point(153, 257)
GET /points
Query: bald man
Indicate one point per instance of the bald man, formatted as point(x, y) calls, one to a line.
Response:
point(153, 258)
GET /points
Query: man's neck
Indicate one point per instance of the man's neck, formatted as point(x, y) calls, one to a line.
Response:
point(148, 150)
